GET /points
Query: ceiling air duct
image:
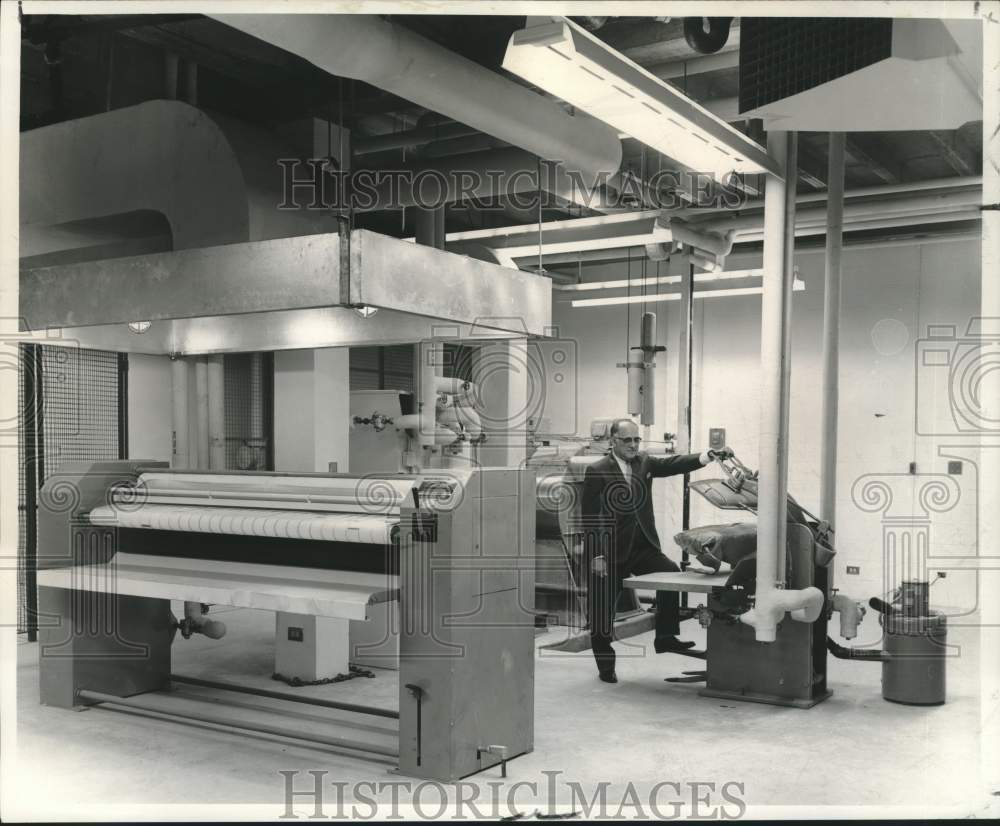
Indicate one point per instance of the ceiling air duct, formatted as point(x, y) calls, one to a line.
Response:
point(860, 74)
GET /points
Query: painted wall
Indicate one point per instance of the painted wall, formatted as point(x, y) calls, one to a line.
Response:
point(149, 407)
point(890, 296)
point(311, 409)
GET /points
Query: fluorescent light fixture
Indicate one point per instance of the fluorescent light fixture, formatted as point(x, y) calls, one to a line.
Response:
point(573, 65)
point(622, 284)
point(797, 285)
point(615, 231)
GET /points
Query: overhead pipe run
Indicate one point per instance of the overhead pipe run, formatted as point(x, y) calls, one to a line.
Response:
point(706, 39)
point(391, 57)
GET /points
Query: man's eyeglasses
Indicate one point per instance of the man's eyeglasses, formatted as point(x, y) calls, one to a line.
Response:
point(629, 439)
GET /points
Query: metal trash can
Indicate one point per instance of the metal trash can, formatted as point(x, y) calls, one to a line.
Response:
point(913, 669)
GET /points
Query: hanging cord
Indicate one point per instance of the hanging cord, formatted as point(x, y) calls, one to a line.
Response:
point(628, 304)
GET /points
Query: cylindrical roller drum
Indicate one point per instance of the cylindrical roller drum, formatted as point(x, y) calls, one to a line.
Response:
point(914, 669)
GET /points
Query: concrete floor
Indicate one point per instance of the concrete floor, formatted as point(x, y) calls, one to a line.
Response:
point(854, 753)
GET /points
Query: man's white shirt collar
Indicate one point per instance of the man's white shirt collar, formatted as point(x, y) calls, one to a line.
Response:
point(625, 466)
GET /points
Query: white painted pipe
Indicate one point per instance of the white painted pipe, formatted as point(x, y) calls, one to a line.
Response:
point(788, 277)
point(804, 606)
point(699, 239)
point(377, 51)
point(216, 413)
point(180, 455)
point(771, 507)
point(851, 613)
point(831, 330)
point(201, 406)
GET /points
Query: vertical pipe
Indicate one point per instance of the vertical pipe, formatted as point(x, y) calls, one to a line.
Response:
point(430, 356)
point(257, 398)
point(123, 405)
point(831, 328)
point(989, 486)
point(171, 64)
point(429, 226)
point(201, 405)
point(788, 276)
point(180, 455)
point(771, 503)
point(216, 413)
point(32, 482)
point(190, 82)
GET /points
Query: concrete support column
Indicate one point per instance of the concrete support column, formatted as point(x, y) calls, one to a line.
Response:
point(179, 377)
point(311, 409)
point(216, 413)
point(831, 329)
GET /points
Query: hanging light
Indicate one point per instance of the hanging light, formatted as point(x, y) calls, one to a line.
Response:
point(139, 327)
point(365, 311)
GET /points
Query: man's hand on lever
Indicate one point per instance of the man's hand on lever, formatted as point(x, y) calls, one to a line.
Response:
point(711, 455)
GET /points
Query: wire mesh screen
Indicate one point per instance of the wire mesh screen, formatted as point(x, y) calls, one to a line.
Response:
point(249, 406)
point(80, 406)
point(79, 422)
point(382, 368)
point(460, 361)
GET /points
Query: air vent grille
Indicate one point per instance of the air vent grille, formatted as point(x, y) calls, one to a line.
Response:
point(781, 57)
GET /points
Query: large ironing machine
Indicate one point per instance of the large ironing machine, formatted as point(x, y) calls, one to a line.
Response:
point(119, 540)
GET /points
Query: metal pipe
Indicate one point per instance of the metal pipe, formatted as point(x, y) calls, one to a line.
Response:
point(831, 329)
point(190, 82)
point(787, 279)
point(201, 406)
point(170, 72)
point(771, 511)
point(380, 52)
point(180, 454)
point(292, 698)
point(261, 728)
point(216, 413)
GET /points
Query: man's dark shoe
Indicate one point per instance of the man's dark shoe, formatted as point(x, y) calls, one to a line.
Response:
point(608, 676)
point(664, 644)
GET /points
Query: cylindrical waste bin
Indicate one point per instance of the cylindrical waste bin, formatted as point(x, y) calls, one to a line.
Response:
point(913, 669)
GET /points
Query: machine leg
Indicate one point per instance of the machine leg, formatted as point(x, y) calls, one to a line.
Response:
point(310, 648)
point(110, 643)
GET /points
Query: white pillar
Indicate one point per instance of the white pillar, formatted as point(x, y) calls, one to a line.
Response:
point(216, 413)
point(771, 504)
point(180, 455)
point(201, 406)
point(831, 328)
point(311, 409)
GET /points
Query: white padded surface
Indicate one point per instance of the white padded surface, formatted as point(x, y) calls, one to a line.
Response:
point(690, 581)
point(277, 524)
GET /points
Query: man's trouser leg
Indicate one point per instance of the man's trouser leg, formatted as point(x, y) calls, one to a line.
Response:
point(602, 596)
point(648, 560)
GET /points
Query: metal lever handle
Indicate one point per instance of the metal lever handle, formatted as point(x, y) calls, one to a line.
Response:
point(418, 693)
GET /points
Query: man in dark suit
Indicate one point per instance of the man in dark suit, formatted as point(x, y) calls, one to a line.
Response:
point(622, 540)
